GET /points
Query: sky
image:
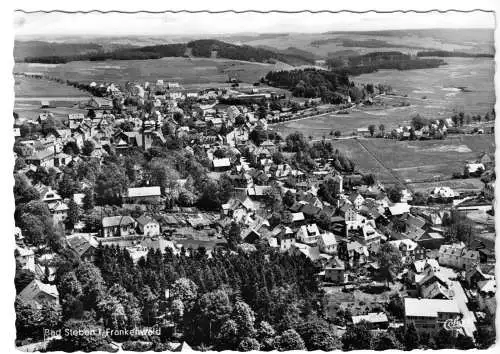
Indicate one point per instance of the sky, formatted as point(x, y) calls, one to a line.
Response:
point(116, 24)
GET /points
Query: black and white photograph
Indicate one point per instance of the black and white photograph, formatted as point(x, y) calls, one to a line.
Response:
point(253, 181)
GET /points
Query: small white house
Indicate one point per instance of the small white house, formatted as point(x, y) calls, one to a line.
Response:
point(308, 233)
point(327, 243)
point(443, 192)
point(148, 226)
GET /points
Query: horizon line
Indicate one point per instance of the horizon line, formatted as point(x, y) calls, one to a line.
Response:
point(250, 33)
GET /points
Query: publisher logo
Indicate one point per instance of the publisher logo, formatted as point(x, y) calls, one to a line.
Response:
point(452, 324)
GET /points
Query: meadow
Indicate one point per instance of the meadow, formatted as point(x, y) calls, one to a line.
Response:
point(417, 161)
point(465, 84)
point(186, 71)
point(31, 88)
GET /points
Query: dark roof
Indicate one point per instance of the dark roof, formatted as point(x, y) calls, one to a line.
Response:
point(80, 244)
point(144, 219)
point(337, 219)
point(310, 210)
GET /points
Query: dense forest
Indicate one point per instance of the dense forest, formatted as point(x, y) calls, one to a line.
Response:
point(312, 83)
point(446, 54)
point(205, 48)
point(200, 48)
point(371, 62)
point(225, 301)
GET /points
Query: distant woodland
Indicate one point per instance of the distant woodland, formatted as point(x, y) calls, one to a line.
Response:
point(367, 43)
point(368, 63)
point(204, 48)
point(444, 53)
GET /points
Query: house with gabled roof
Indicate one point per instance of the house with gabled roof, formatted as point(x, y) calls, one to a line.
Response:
point(308, 234)
point(42, 158)
point(372, 320)
point(353, 220)
point(357, 200)
point(83, 245)
point(399, 209)
point(59, 211)
point(298, 218)
point(407, 248)
point(485, 159)
point(118, 226)
point(38, 294)
point(75, 119)
point(138, 195)
point(458, 256)
point(257, 192)
point(148, 226)
point(436, 290)
point(327, 243)
point(430, 240)
point(310, 211)
point(25, 257)
point(311, 252)
point(100, 103)
point(429, 315)
point(47, 194)
point(335, 271)
point(473, 275)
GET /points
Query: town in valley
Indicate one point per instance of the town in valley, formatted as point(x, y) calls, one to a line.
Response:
point(272, 191)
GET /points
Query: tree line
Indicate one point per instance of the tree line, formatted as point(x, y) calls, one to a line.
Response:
point(449, 54)
point(371, 62)
point(198, 48)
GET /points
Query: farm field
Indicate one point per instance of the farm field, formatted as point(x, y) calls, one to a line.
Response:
point(347, 123)
point(183, 70)
point(364, 161)
point(27, 88)
point(30, 92)
point(31, 110)
point(417, 161)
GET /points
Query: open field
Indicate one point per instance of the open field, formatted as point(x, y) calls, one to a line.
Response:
point(183, 70)
point(346, 123)
point(31, 110)
point(31, 92)
point(441, 87)
point(391, 160)
point(28, 88)
point(363, 159)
